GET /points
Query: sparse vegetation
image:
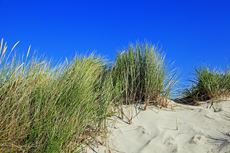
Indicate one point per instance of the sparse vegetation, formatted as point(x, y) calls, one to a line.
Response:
point(64, 108)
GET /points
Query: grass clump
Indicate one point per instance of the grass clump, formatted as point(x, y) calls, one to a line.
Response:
point(208, 84)
point(141, 73)
point(46, 109)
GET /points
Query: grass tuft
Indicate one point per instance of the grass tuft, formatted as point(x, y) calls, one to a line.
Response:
point(208, 84)
point(141, 73)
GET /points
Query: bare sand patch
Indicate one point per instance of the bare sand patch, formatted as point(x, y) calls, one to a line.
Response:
point(177, 128)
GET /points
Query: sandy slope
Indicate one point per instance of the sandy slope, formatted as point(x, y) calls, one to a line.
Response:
point(200, 130)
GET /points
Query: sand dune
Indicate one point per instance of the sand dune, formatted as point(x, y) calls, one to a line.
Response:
point(201, 129)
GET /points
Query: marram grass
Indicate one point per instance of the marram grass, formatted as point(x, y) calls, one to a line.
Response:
point(52, 110)
point(141, 73)
point(208, 84)
point(64, 108)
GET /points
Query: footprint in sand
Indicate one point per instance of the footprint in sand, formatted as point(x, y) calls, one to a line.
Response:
point(169, 141)
point(143, 130)
point(171, 145)
point(197, 139)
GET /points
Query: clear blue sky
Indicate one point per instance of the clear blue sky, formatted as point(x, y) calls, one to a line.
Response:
point(191, 32)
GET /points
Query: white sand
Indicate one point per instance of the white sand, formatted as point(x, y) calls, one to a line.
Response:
point(200, 130)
